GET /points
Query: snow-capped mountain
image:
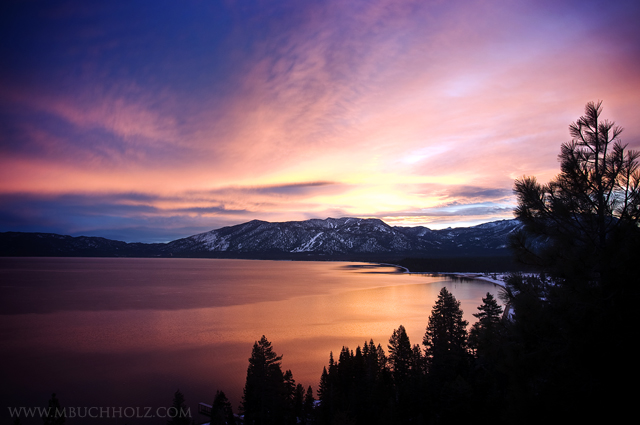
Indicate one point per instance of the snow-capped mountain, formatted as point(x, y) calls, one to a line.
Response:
point(332, 238)
point(345, 236)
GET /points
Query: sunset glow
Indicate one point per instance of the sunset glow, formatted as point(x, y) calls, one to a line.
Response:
point(150, 121)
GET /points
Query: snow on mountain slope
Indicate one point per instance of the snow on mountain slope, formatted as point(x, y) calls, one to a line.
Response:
point(345, 235)
point(333, 238)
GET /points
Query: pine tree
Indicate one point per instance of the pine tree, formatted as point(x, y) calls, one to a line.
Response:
point(382, 360)
point(487, 339)
point(445, 339)
point(55, 414)
point(298, 402)
point(582, 229)
point(292, 407)
point(400, 355)
point(308, 406)
point(588, 214)
point(484, 333)
point(264, 400)
point(179, 412)
point(406, 368)
point(221, 411)
point(327, 397)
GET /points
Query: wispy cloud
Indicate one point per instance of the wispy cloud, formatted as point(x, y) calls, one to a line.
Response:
point(421, 112)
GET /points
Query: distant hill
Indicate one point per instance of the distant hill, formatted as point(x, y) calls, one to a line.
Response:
point(23, 244)
point(331, 239)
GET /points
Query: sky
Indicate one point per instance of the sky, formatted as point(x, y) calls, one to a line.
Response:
point(147, 121)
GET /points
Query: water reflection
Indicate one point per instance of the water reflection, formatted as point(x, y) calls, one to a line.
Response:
point(374, 268)
point(132, 331)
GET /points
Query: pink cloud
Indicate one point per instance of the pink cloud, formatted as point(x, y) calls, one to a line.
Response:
point(376, 96)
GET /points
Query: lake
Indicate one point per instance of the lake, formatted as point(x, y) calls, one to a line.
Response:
point(128, 332)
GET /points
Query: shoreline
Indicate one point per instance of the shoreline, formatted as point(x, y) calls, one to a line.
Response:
point(464, 275)
point(479, 276)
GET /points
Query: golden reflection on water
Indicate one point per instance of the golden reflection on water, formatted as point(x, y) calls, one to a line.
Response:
point(194, 328)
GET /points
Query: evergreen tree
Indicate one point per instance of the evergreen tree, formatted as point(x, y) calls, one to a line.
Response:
point(327, 397)
point(221, 411)
point(487, 339)
point(308, 407)
point(324, 388)
point(357, 388)
point(483, 335)
point(400, 355)
point(179, 412)
point(447, 362)
point(55, 414)
point(382, 360)
point(292, 400)
point(417, 407)
point(445, 339)
point(406, 369)
point(582, 229)
point(264, 400)
point(417, 361)
point(590, 212)
point(329, 392)
point(298, 403)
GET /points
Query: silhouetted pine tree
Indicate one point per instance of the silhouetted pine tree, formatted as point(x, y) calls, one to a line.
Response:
point(298, 402)
point(264, 400)
point(400, 355)
point(418, 407)
point(484, 334)
point(487, 342)
point(55, 414)
point(445, 339)
point(291, 412)
point(405, 363)
point(587, 212)
point(221, 411)
point(329, 392)
point(588, 218)
point(308, 407)
point(179, 412)
point(447, 361)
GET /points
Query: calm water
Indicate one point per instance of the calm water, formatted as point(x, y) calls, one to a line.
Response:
point(129, 332)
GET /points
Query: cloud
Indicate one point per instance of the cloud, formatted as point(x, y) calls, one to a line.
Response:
point(470, 193)
point(284, 110)
point(153, 216)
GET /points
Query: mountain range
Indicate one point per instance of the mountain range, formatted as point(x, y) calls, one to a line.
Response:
point(332, 239)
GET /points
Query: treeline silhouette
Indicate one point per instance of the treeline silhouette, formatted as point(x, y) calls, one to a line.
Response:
point(447, 381)
point(548, 358)
point(409, 384)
